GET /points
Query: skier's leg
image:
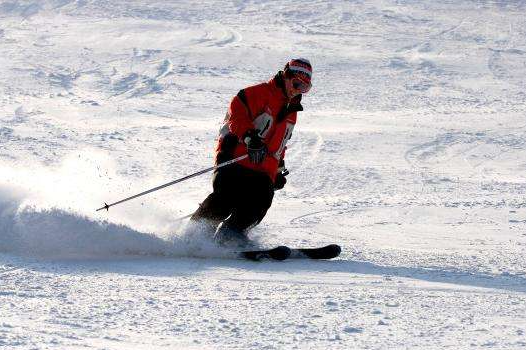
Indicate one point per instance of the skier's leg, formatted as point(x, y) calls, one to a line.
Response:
point(206, 218)
point(249, 215)
point(258, 192)
point(215, 208)
point(218, 205)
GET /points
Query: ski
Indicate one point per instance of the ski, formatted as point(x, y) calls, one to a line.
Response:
point(282, 253)
point(278, 253)
point(330, 251)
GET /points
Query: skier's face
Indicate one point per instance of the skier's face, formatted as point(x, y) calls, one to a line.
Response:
point(295, 86)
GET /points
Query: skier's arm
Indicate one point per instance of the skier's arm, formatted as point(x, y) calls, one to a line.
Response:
point(244, 107)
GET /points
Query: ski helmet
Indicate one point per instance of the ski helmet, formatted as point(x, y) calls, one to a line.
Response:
point(299, 68)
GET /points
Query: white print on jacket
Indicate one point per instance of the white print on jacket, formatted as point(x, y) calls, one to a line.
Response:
point(262, 124)
point(286, 138)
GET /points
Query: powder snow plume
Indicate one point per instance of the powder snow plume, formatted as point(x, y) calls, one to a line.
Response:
point(47, 213)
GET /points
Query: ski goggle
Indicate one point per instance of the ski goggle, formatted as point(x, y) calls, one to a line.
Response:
point(301, 86)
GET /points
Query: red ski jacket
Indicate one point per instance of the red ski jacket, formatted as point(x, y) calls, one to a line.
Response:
point(265, 108)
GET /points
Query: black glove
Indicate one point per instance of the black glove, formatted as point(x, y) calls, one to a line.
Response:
point(280, 181)
point(256, 149)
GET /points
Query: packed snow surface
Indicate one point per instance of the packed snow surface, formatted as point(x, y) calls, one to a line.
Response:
point(410, 154)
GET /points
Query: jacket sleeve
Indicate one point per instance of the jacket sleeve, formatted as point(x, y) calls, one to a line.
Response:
point(244, 108)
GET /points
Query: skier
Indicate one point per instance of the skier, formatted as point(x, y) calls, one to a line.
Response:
point(259, 122)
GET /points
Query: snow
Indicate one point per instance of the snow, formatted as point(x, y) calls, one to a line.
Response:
point(410, 154)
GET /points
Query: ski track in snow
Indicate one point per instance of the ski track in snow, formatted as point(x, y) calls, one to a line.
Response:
point(410, 154)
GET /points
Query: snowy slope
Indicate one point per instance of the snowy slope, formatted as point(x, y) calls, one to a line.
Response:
point(410, 154)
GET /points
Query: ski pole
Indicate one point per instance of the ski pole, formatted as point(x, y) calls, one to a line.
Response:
point(228, 162)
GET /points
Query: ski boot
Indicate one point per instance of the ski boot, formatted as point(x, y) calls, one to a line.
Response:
point(229, 237)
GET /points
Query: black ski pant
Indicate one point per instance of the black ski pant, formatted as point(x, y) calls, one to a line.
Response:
point(240, 199)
